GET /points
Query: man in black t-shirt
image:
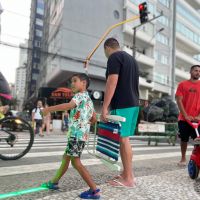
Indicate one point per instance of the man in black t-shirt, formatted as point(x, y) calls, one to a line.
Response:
point(122, 95)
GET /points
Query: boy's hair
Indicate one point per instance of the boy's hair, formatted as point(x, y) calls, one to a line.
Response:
point(112, 43)
point(194, 67)
point(83, 77)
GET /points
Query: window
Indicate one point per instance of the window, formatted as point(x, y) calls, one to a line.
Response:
point(194, 37)
point(36, 54)
point(161, 78)
point(164, 20)
point(188, 15)
point(162, 38)
point(162, 58)
point(35, 65)
point(37, 43)
point(39, 22)
point(40, 11)
point(40, 4)
point(38, 33)
point(165, 2)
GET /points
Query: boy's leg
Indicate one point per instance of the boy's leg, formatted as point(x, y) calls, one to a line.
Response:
point(83, 172)
point(63, 168)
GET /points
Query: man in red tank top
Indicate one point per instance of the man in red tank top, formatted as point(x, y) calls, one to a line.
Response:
point(188, 100)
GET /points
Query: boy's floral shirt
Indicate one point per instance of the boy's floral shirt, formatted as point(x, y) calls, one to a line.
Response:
point(80, 116)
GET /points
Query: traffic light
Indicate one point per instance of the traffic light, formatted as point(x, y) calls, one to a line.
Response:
point(143, 12)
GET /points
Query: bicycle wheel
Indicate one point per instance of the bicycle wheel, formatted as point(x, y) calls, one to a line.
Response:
point(16, 138)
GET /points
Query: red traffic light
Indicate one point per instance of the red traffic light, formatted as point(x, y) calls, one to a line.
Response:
point(143, 11)
point(141, 7)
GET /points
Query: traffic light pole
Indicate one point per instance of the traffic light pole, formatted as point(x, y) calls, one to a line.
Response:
point(135, 29)
point(173, 51)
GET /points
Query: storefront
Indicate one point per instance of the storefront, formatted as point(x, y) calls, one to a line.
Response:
point(55, 96)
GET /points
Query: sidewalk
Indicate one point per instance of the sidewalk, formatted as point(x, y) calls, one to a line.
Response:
point(173, 185)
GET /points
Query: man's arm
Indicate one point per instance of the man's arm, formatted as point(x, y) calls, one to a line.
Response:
point(109, 92)
point(60, 107)
point(182, 109)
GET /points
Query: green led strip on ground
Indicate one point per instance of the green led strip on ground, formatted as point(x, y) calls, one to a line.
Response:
point(21, 192)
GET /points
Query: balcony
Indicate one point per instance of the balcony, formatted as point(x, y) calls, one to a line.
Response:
point(183, 59)
point(144, 83)
point(181, 74)
point(141, 58)
point(140, 35)
point(194, 3)
point(184, 43)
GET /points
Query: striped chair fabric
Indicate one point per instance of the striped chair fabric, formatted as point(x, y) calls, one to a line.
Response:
point(108, 139)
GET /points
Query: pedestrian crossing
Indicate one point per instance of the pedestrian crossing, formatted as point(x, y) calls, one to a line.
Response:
point(46, 154)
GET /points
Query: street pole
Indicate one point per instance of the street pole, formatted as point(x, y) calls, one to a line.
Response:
point(173, 51)
point(134, 42)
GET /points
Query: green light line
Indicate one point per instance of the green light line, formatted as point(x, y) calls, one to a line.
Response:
point(21, 192)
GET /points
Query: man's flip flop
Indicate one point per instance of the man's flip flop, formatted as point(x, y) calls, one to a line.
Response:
point(117, 183)
point(181, 164)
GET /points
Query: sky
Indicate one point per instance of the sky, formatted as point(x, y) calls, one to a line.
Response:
point(14, 29)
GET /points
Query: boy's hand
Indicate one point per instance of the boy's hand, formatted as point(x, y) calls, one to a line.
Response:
point(93, 119)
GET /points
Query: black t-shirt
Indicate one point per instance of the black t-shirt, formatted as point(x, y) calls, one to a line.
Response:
point(127, 89)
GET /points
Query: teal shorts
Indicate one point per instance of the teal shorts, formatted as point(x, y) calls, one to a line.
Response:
point(131, 115)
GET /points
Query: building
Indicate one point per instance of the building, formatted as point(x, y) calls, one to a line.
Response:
point(20, 79)
point(73, 28)
point(34, 46)
point(1, 10)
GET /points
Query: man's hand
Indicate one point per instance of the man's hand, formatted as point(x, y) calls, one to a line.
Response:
point(197, 118)
point(104, 113)
point(189, 118)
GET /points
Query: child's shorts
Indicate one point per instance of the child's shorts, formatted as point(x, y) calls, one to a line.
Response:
point(74, 147)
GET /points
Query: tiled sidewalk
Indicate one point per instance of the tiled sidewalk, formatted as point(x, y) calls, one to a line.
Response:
point(173, 185)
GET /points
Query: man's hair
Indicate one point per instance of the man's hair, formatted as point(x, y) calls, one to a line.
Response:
point(83, 77)
point(194, 67)
point(112, 43)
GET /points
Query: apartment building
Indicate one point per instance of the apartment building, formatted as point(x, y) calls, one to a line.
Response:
point(1, 10)
point(73, 28)
point(20, 77)
point(34, 47)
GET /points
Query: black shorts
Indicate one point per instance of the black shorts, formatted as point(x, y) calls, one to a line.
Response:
point(74, 147)
point(38, 122)
point(186, 131)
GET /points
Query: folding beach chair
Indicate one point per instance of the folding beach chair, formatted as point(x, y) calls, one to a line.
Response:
point(105, 144)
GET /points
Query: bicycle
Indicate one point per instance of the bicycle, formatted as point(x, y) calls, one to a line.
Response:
point(16, 138)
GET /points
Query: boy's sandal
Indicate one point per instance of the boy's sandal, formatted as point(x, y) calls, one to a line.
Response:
point(50, 185)
point(90, 194)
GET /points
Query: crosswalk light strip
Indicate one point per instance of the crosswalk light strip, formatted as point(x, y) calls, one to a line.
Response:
point(22, 192)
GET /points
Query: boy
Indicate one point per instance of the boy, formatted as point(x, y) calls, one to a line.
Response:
point(81, 114)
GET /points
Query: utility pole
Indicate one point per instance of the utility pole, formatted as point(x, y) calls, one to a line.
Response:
point(173, 51)
point(134, 41)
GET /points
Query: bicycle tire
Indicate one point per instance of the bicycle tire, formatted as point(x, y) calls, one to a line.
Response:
point(30, 141)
